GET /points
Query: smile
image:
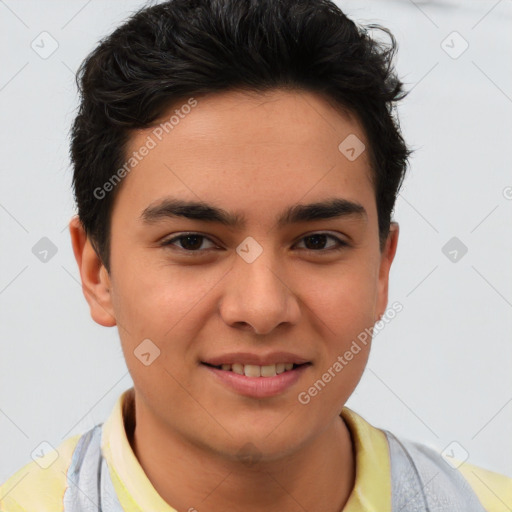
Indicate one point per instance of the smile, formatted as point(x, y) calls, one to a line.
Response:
point(257, 381)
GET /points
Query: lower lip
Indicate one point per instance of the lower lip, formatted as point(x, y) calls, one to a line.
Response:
point(259, 387)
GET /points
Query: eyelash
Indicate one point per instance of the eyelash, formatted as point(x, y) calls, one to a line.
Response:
point(340, 243)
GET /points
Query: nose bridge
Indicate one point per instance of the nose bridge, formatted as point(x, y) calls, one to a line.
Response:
point(258, 294)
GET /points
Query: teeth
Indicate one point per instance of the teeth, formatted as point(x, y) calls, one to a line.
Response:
point(268, 371)
point(253, 370)
point(238, 368)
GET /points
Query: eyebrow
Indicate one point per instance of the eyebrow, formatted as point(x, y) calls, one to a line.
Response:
point(333, 208)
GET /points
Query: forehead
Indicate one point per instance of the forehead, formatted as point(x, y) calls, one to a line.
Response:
point(249, 149)
point(276, 117)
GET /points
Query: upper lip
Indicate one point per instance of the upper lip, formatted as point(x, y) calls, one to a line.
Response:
point(257, 359)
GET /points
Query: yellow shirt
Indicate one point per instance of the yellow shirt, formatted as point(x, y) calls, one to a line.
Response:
point(34, 489)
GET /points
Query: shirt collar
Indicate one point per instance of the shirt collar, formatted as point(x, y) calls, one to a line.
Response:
point(371, 492)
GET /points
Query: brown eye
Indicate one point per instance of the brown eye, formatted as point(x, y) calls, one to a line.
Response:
point(317, 242)
point(190, 242)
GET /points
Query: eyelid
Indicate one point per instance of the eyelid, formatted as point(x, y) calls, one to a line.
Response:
point(340, 243)
point(169, 241)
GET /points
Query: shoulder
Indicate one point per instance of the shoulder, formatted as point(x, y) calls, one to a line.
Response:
point(39, 485)
point(493, 489)
point(422, 474)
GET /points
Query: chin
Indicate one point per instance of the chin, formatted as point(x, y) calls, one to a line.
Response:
point(272, 442)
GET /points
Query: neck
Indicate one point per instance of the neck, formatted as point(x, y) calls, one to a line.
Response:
point(318, 476)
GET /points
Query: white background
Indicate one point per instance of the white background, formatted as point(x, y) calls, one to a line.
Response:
point(440, 371)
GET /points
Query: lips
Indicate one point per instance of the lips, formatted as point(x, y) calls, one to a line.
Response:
point(257, 375)
point(258, 387)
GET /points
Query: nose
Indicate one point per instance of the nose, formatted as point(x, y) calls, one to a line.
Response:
point(258, 297)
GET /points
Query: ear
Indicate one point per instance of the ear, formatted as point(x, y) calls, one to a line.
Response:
point(96, 284)
point(387, 256)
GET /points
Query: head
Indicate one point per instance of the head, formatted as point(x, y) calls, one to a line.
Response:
point(266, 132)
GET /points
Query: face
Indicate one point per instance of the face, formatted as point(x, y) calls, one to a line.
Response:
point(253, 281)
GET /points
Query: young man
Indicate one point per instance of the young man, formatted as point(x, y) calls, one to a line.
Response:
point(236, 164)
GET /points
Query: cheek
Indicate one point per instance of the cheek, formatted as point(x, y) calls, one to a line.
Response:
point(343, 300)
point(167, 305)
point(156, 297)
point(343, 309)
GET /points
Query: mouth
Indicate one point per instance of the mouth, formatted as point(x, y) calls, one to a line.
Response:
point(257, 381)
point(254, 370)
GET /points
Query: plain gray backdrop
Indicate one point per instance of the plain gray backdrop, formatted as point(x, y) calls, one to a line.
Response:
point(439, 373)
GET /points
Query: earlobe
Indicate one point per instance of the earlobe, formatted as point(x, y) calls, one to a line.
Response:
point(96, 284)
